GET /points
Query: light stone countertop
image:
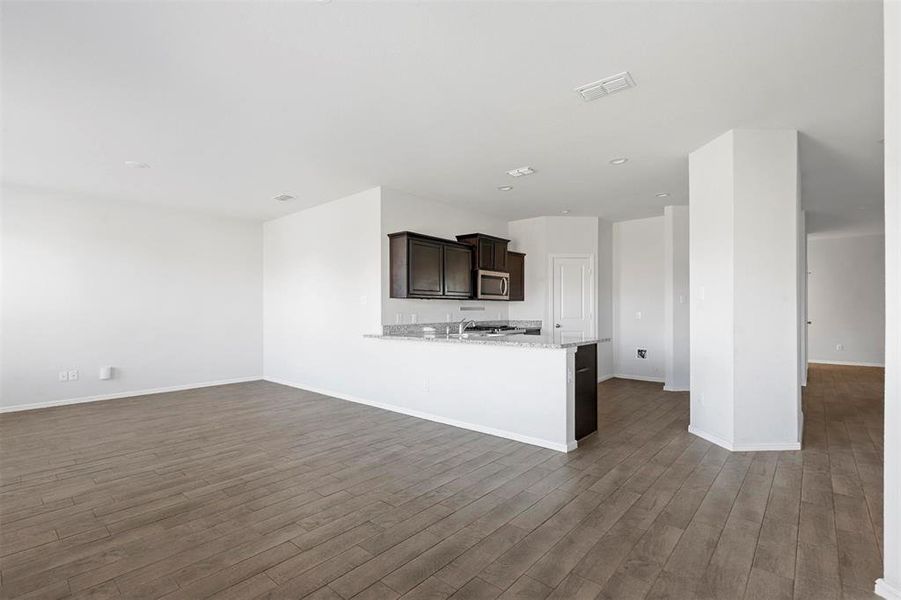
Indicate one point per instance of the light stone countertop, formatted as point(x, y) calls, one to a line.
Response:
point(544, 340)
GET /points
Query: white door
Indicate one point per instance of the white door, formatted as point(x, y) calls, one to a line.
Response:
point(572, 297)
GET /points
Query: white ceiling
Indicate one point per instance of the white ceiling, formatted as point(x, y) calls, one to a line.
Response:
point(232, 103)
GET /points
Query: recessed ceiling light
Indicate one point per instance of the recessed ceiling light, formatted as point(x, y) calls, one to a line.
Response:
point(135, 164)
point(619, 161)
point(662, 195)
point(564, 212)
point(283, 197)
point(505, 188)
point(521, 172)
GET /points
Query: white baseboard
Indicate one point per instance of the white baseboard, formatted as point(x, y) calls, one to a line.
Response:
point(118, 395)
point(639, 378)
point(604, 378)
point(845, 363)
point(884, 590)
point(568, 447)
point(667, 388)
point(743, 447)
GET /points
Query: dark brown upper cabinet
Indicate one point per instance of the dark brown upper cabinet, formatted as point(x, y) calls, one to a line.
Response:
point(516, 266)
point(490, 252)
point(422, 266)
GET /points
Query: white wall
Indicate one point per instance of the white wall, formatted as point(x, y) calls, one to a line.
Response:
point(889, 586)
point(802, 297)
point(745, 342)
point(767, 205)
point(606, 367)
point(846, 299)
point(541, 237)
point(403, 212)
point(321, 296)
point(676, 298)
point(638, 287)
point(168, 298)
point(710, 261)
point(530, 236)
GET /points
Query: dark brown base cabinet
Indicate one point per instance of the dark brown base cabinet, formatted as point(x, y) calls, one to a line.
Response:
point(422, 266)
point(586, 416)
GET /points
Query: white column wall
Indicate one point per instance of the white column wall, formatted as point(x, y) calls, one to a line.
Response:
point(744, 267)
point(767, 392)
point(711, 304)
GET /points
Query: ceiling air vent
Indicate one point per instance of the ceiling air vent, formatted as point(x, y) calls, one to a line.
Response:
point(606, 86)
point(283, 197)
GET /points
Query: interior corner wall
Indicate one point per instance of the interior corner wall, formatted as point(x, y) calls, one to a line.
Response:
point(403, 212)
point(638, 290)
point(846, 300)
point(676, 299)
point(170, 299)
point(322, 293)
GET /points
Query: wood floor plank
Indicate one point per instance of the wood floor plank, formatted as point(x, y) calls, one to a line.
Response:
point(288, 494)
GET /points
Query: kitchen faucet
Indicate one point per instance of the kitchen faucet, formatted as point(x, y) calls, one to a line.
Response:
point(464, 324)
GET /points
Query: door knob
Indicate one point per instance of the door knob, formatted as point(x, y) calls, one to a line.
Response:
point(557, 325)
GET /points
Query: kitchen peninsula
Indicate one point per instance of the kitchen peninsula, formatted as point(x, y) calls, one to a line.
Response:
point(538, 387)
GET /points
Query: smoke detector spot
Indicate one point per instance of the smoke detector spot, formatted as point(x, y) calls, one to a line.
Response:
point(606, 86)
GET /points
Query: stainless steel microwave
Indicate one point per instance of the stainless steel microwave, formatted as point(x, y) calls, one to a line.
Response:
point(492, 285)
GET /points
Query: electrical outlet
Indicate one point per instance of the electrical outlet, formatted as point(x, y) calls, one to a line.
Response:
point(73, 375)
point(642, 353)
point(638, 316)
point(839, 346)
point(64, 376)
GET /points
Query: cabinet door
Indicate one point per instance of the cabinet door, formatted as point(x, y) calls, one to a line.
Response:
point(500, 256)
point(516, 265)
point(426, 270)
point(586, 417)
point(486, 255)
point(457, 272)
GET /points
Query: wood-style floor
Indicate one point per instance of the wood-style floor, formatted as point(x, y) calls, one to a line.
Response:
point(257, 490)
